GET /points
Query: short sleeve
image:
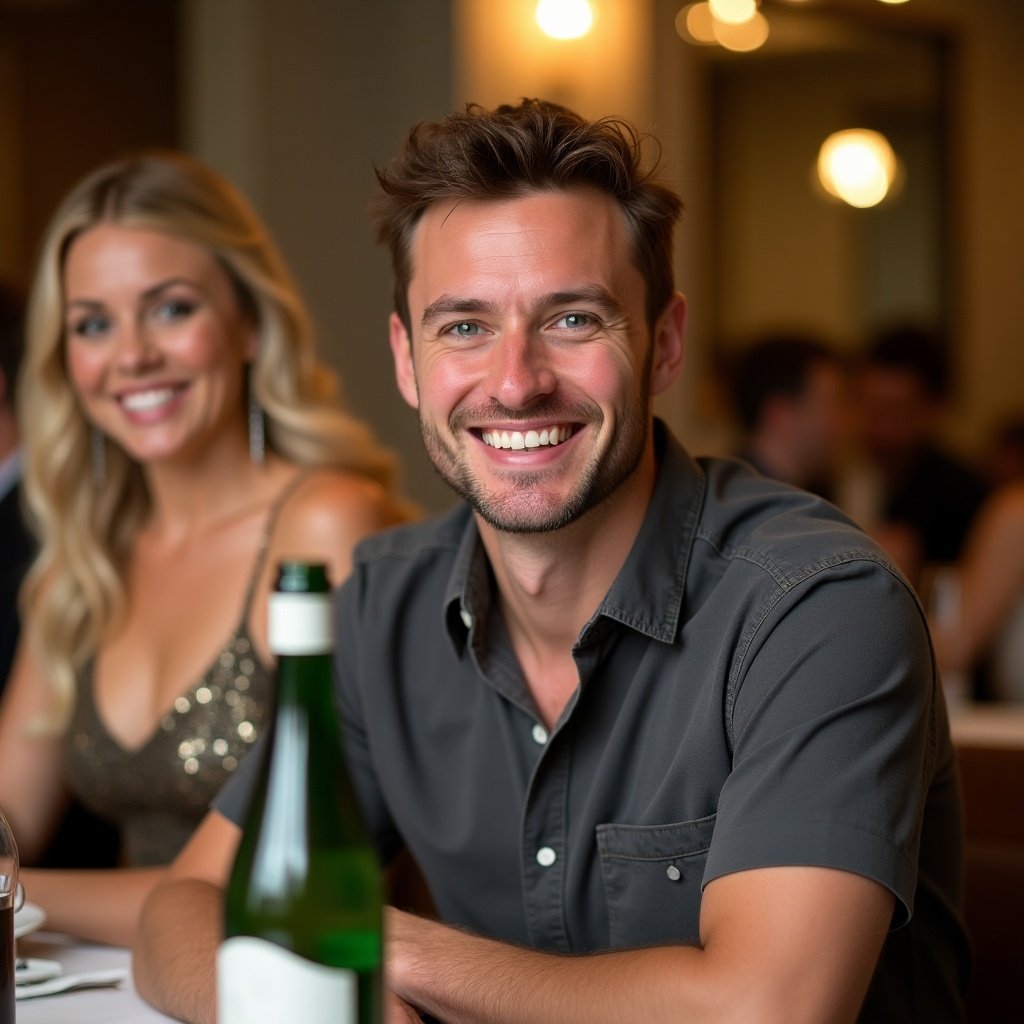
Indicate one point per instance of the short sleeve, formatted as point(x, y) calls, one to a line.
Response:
point(235, 795)
point(350, 674)
point(833, 724)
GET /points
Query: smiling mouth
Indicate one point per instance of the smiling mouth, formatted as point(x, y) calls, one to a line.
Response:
point(150, 399)
point(519, 440)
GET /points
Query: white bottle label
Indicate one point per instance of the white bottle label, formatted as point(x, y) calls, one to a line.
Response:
point(260, 983)
point(299, 623)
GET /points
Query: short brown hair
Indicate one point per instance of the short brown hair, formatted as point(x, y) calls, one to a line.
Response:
point(511, 151)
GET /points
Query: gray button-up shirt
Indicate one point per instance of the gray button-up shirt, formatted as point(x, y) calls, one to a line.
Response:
point(756, 689)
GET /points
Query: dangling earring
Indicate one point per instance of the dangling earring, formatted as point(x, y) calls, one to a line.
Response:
point(98, 457)
point(257, 434)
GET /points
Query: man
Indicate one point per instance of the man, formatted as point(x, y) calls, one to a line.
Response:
point(621, 703)
point(789, 393)
point(928, 498)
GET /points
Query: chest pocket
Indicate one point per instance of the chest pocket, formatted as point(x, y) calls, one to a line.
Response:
point(652, 876)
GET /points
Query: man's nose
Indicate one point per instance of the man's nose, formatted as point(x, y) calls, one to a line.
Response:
point(519, 370)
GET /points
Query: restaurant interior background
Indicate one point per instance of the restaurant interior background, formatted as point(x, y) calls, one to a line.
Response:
point(295, 100)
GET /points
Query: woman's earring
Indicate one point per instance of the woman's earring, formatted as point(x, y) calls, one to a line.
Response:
point(257, 427)
point(98, 456)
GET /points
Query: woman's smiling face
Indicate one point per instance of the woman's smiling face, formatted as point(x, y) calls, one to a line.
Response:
point(156, 341)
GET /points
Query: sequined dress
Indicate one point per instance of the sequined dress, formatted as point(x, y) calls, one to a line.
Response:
point(158, 793)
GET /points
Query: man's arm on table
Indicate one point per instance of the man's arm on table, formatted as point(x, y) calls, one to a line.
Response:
point(786, 944)
point(175, 954)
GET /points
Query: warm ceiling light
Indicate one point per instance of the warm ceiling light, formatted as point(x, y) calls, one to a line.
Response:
point(857, 165)
point(894, 1)
point(696, 22)
point(564, 19)
point(742, 38)
point(733, 12)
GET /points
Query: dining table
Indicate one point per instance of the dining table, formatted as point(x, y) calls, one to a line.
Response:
point(119, 1004)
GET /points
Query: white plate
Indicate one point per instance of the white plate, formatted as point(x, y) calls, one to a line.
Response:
point(28, 972)
point(28, 919)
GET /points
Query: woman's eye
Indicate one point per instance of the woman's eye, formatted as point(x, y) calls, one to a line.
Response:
point(90, 326)
point(174, 309)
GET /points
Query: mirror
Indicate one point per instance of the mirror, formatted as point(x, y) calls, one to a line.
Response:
point(786, 254)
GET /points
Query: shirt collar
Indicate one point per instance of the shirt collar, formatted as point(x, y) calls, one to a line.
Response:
point(647, 595)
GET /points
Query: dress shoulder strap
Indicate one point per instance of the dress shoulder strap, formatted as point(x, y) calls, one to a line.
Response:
point(273, 515)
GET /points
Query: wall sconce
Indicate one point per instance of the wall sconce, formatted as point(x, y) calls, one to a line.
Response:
point(564, 19)
point(858, 166)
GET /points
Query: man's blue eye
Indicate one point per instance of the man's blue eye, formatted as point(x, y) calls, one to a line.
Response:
point(466, 329)
point(576, 320)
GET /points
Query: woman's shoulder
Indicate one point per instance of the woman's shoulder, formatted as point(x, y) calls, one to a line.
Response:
point(325, 512)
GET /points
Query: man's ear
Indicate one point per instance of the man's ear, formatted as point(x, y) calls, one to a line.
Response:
point(401, 352)
point(668, 344)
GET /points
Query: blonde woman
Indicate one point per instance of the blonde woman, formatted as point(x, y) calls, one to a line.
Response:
point(180, 438)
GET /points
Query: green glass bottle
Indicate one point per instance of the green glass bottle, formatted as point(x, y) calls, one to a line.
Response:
point(303, 908)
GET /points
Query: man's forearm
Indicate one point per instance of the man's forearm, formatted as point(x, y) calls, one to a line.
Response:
point(465, 979)
point(175, 951)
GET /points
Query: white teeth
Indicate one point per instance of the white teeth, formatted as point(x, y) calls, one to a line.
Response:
point(516, 441)
point(140, 401)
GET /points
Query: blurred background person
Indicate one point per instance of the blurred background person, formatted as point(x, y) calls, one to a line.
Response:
point(16, 543)
point(927, 498)
point(180, 437)
point(984, 636)
point(1005, 458)
point(790, 396)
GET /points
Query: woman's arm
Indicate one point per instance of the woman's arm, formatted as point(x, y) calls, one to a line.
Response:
point(96, 905)
point(991, 578)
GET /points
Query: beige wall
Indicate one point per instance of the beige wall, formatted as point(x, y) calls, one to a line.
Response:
point(296, 100)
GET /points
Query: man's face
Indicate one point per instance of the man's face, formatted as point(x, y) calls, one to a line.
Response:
point(531, 362)
point(897, 414)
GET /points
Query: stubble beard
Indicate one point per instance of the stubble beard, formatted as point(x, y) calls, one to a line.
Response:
point(524, 507)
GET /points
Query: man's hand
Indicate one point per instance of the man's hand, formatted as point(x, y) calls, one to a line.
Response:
point(398, 1012)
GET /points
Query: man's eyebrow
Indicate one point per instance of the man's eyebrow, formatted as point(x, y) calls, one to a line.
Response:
point(592, 294)
point(446, 305)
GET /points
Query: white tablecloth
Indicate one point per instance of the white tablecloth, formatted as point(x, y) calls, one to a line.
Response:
point(120, 1005)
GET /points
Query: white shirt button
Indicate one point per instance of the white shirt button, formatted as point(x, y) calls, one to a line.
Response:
point(540, 734)
point(467, 619)
point(546, 856)
point(674, 874)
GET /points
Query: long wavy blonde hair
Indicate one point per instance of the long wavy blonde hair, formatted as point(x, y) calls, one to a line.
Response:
point(87, 529)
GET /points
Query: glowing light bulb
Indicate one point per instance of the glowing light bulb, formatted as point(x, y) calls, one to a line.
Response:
point(857, 165)
point(564, 19)
point(733, 12)
point(696, 23)
point(744, 37)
